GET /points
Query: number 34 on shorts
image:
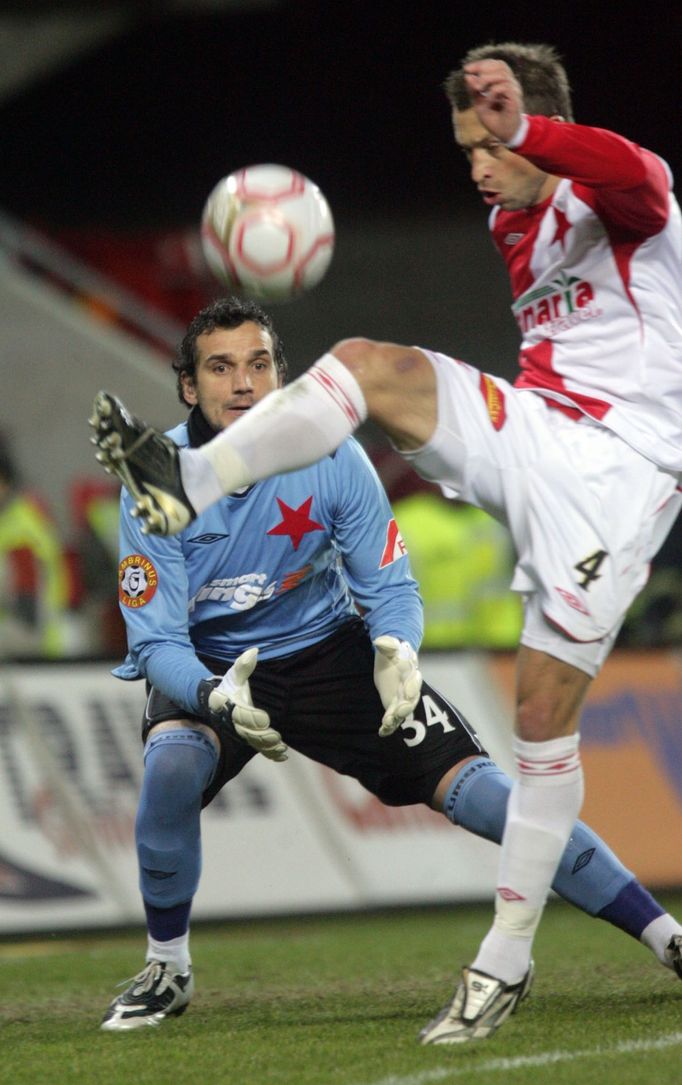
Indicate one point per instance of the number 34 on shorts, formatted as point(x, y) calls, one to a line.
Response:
point(434, 711)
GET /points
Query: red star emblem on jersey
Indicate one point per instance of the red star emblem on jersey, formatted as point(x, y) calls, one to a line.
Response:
point(562, 226)
point(295, 522)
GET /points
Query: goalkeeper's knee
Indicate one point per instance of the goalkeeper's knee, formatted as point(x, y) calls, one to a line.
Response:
point(179, 765)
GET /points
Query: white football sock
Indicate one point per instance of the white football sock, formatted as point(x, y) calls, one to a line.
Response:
point(657, 935)
point(199, 480)
point(543, 806)
point(291, 428)
point(175, 951)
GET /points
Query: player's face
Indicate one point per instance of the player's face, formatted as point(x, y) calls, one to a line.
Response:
point(503, 178)
point(235, 369)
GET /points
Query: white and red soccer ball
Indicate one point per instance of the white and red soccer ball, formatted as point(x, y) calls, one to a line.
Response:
point(267, 232)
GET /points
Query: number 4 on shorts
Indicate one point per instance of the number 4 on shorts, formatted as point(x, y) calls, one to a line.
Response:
point(590, 567)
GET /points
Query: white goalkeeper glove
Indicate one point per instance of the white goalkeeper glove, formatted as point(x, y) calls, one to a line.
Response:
point(398, 680)
point(231, 698)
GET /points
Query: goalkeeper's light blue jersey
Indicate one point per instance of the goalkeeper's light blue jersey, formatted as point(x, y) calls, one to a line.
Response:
point(278, 567)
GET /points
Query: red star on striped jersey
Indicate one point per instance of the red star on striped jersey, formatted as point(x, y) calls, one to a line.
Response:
point(562, 226)
point(295, 522)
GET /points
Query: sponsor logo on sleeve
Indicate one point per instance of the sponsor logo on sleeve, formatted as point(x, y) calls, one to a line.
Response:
point(137, 581)
point(394, 547)
point(494, 401)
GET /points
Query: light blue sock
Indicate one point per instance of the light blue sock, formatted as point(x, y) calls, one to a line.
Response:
point(590, 876)
point(178, 768)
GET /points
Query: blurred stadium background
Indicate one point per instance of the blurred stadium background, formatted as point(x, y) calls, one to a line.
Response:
point(116, 120)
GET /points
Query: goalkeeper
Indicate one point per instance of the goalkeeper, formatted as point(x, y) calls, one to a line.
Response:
point(287, 615)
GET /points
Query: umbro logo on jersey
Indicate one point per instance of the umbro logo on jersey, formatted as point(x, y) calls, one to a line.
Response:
point(513, 239)
point(209, 537)
point(583, 860)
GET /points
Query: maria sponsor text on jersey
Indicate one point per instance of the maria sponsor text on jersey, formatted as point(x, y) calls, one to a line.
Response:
point(563, 303)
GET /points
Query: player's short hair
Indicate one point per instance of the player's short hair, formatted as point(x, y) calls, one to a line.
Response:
point(224, 313)
point(538, 68)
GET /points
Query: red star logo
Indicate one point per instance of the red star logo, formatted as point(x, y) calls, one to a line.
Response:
point(562, 226)
point(295, 522)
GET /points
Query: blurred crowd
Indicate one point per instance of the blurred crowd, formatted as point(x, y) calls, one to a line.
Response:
point(58, 594)
point(58, 597)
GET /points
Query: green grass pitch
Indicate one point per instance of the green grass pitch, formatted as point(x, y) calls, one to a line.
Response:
point(338, 1000)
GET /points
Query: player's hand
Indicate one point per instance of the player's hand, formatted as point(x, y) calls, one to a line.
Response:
point(398, 680)
point(231, 698)
point(496, 96)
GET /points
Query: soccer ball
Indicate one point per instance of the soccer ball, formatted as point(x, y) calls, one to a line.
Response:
point(267, 232)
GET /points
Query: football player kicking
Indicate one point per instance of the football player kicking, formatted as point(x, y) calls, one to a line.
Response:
point(287, 615)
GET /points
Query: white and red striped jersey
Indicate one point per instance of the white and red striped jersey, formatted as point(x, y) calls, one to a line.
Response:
point(596, 275)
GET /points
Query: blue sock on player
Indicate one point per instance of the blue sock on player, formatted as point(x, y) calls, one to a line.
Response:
point(166, 924)
point(179, 765)
point(590, 876)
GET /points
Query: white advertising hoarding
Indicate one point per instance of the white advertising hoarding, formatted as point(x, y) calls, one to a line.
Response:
point(281, 838)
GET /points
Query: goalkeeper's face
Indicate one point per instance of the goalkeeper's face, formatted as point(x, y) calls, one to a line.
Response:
point(235, 369)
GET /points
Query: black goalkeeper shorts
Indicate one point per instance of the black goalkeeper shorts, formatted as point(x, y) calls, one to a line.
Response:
point(324, 703)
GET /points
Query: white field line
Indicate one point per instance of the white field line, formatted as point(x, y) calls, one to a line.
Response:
point(546, 1058)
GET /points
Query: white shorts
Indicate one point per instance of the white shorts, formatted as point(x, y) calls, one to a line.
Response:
point(586, 511)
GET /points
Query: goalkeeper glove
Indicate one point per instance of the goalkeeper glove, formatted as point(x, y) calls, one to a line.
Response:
point(230, 698)
point(398, 680)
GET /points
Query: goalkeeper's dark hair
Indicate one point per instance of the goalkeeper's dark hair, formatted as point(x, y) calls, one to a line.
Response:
point(224, 313)
point(538, 68)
